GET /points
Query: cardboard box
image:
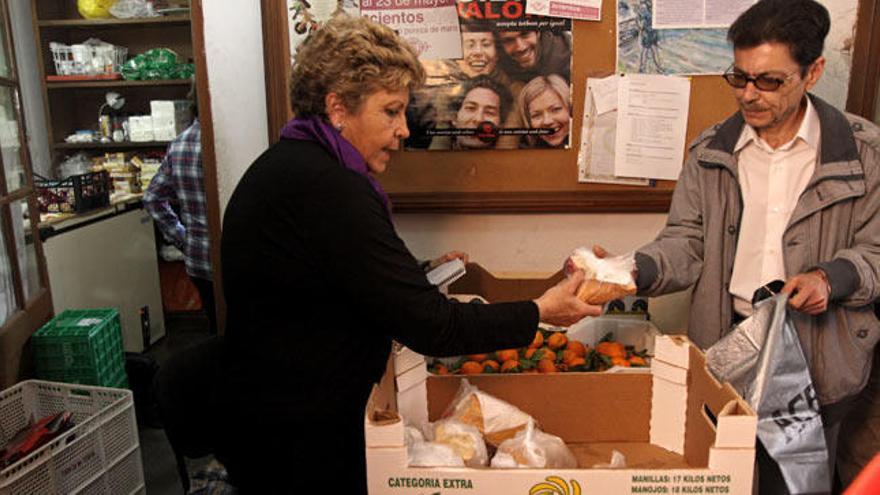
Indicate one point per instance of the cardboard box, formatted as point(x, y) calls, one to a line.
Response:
point(140, 128)
point(628, 329)
point(680, 430)
point(170, 118)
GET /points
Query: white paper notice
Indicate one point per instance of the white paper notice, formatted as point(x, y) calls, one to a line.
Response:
point(596, 154)
point(430, 26)
point(673, 14)
point(586, 10)
point(604, 93)
point(652, 113)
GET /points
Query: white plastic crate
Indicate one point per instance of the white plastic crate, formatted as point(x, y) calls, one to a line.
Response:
point(87, 59)
point(100, 454)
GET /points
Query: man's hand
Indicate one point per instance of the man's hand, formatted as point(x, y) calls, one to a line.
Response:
point(809, 291)
point(560, 306)
point(451, 255)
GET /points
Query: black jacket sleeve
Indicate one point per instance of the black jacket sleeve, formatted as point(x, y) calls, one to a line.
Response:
point(377, 276)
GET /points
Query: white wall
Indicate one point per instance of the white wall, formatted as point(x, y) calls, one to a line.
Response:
point(29, 80)
point(234, 53)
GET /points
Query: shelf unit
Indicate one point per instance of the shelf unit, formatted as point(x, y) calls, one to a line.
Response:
point(125, 145)
point(73, 105)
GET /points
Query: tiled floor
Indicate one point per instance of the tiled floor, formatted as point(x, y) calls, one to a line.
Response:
point(160, 468)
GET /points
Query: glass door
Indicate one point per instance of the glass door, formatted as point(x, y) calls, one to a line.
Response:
point(25, 301)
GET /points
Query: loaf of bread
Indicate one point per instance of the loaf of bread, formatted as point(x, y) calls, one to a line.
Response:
point(496, 419)
point(605, 279)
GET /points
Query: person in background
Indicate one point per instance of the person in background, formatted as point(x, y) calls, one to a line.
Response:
point(787, 188)
point(544, 104)
point(529, 53)
point(180, 181)
point(317, 281)
point(484, 102)
point(434, 105)
point(479, 53)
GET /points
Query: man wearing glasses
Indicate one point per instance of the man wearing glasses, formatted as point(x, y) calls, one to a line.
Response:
point(787, 188)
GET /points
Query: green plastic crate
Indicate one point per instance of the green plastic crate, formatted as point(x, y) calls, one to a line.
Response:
point(82, 346)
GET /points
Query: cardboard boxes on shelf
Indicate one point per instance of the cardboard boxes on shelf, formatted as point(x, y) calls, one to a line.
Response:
point(170, 118)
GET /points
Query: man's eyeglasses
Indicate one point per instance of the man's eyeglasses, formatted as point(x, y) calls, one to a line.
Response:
point(763, 82)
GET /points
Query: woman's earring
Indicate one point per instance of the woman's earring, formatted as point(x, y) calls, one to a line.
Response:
point(339, 126)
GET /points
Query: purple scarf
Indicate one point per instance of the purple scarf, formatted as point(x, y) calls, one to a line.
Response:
point(314, 128)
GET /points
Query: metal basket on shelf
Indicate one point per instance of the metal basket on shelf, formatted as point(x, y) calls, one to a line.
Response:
point(87, 59)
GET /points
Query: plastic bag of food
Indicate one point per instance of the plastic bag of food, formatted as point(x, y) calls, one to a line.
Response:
point(158, 63)
point(464, 439)
point(532, 448)
point(127, 9)
point(433, 454)
point(94, 9)
point(420, 453)
point(618, 461)
point(606, 279)
point(77, 164)
point(495, 419)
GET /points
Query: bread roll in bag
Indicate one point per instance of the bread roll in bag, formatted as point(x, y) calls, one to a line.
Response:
point(605, 279)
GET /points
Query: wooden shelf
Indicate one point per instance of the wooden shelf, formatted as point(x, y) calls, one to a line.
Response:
point(99, 23)
point(117, 84)
point(112, 146)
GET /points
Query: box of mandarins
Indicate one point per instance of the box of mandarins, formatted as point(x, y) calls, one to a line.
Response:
point(608, 343)
point(677, 428)
point(674, 429)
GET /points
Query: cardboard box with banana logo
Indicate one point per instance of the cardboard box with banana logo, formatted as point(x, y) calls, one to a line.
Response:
point(673, 430)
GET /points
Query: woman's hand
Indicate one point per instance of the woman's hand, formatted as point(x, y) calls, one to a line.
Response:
point(560, 306)
point(451, 255)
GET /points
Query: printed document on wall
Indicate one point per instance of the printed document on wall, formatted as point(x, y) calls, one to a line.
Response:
point(672, 14)
point(430, 27)
point(596, 154)
point(585, 10)
point(652, 113)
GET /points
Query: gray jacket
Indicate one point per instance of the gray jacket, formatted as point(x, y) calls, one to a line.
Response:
point(835, 226)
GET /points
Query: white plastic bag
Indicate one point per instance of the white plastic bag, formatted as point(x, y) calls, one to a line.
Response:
point(606, 278)
point(495, 419)
point(762, 358)
point(127, 9)
point(432, 454)
point(532, 448)
point(464, 439)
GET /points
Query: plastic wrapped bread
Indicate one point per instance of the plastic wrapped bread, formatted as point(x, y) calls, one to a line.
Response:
point(495, 419)
point(605, 279)
point(464, 439)
point(532, 448)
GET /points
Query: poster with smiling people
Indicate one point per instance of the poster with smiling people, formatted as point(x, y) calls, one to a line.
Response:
point(511, 88)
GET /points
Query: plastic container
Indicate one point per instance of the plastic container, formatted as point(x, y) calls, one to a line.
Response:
point(81, 346)
point(100, 454)
point(87, 59)
point(75, 194)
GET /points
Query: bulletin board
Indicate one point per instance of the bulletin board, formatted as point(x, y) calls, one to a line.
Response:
point(508, 181)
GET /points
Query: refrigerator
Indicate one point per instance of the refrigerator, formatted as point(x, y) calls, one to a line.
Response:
point(109, 261)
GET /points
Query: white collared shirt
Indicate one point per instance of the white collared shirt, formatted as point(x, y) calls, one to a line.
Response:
point(771, 182)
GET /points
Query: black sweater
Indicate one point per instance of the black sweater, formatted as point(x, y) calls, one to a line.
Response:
point(318, 283)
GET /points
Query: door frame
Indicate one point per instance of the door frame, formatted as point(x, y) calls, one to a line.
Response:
point(209, 159)
point(865, 74)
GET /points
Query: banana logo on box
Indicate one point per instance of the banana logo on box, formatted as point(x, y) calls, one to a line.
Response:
point(554, 485)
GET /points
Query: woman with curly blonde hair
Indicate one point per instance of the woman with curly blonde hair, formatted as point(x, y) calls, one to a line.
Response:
point(545, 103)
point(318, 283)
